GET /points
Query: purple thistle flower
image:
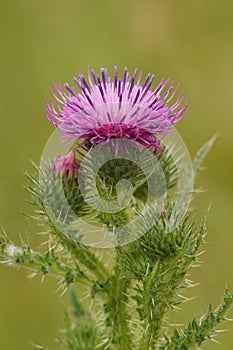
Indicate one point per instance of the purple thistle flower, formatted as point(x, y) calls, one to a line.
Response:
point(66, 166)
point(105, 109)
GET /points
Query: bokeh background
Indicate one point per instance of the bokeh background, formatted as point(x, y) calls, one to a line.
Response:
point(42, 41)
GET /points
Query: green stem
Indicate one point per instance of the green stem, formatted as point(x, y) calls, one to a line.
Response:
point(153, 315)
point(118, 313)
point(198, 331)
point(84, 256)
point(34, 261)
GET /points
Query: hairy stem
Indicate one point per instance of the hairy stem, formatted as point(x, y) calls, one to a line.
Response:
point(198, 331)
point(84, 256)
point(116, 308)
point(34, 261)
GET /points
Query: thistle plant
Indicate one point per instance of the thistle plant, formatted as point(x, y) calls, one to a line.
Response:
point(114, 199)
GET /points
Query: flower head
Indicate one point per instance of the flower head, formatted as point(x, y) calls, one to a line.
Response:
point(125, 108)
point(66, 166)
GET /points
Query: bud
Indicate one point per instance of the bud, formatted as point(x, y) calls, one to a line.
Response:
point(67, 166)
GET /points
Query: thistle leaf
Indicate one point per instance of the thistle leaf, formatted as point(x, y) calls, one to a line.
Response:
point(201, 155)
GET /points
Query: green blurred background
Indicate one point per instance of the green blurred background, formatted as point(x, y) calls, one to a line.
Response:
point(42, 41)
